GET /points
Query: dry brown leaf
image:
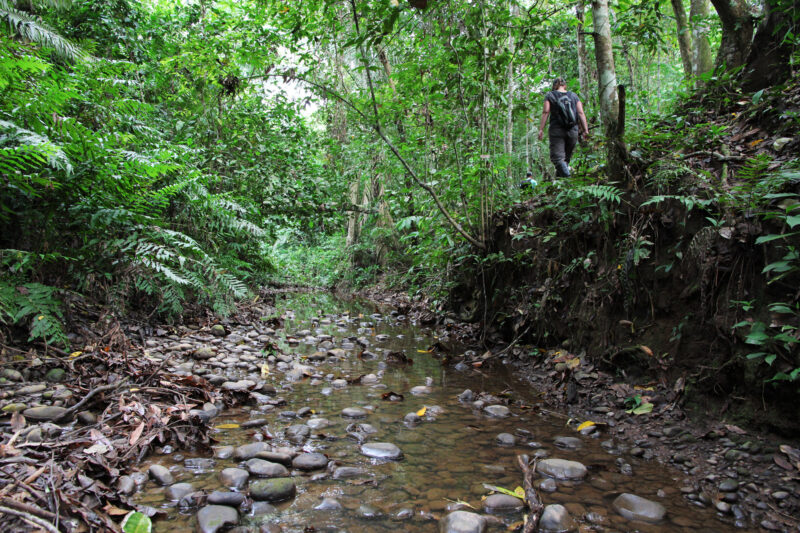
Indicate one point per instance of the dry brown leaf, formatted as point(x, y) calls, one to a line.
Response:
point(735, 429)
point(646, 350)
point(137, 433)
point(783, 463)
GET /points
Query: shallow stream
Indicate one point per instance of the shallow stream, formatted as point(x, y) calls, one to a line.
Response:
point(447, 456)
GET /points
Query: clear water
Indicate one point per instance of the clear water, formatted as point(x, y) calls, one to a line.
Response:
point(447, 458)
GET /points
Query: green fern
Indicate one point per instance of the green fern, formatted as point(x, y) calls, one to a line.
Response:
point(33, 29)
point(34, 306)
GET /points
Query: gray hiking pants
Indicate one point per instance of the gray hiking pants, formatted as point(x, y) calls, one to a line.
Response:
point(562, 144)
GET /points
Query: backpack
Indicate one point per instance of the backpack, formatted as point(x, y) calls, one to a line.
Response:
point(567, 108)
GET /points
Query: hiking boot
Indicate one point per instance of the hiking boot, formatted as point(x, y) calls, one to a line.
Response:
point(562, 169)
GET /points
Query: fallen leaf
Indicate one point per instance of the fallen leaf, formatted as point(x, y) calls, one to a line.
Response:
point(264, 370)
point(99, 448)
point(585, 425)
point(73, 355)
point(755, 143)
point(640, 387)
point(506, 491)
point(642, 409)
point(114, 511)
point(421, 412)
point(646, 350)
point(136, 522)
point(227, 426)
point(735, 429)
point(136, 433)
point(783, 463)
point(519, 492)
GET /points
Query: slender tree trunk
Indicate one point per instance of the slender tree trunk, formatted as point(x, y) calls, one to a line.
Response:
point(737, 32)
point(509, 137)
point(701, 49)
point(609, 100)
point(684, 37)
point(583, 77)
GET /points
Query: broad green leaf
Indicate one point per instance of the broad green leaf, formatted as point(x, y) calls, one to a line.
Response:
point(642, 409)
point(136, 522)
point(504, 491)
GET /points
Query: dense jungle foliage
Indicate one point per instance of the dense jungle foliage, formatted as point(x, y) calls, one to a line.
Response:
point(160, 154)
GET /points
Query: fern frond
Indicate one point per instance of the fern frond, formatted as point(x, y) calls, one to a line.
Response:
point(34, 30)
point(30, 147)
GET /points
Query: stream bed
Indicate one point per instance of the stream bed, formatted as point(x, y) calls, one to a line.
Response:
point(341, 434)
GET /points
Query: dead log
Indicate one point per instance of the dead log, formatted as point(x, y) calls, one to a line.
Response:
point(531, 496)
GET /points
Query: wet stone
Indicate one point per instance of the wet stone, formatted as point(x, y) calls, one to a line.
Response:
point(729, 485)
point(126, 485)
point(213, 518)
point(502, 503)
point(200, 464)
point(218, 330)
point(160, 474)
point(354, 412)
point(567, 443)
point(556, 519)
point(466, 396)
point(506, 439)
point(368, 511)
point(254, 423)
point(404, 514)
point(463, 522)
point(248, 451)
point(178, 490)
point(346, 472)
point(328, 504)
point(497, 411)
point(205, 352)
point(234, 478)
point(310, 461)
point(32, 389)
point(382, 450)
point(547, 485)
point(273, 490)
point(11, 374)
point(420, 389)
point(224, 452)
point(262, 468)
point(298, 432)
point(635, 507)
point(561, 469)
point(87, 418)
point(14, 407)
point(55, 375)
point(276, 457)
point(222, 497)
point(262, 508)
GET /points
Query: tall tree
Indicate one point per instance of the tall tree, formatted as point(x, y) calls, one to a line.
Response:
point(769, 60)
point(607, 91)
point(701, 48)
point(684, 37)
point(737, 32)
point(583, 76)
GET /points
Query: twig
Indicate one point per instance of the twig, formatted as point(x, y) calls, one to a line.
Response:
point(27, 517)
point(74, 409)
point(716, 155)
point(531, 496)
point(27, 508)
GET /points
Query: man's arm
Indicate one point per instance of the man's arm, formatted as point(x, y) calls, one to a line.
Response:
point(545, 114)
point(582, 117)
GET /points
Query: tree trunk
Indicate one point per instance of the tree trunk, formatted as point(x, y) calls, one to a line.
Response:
point(769, 60)
point(583, 78)
point(701, 49)
point(684, 37)
point(609, 100)
point(509, 137)
point(737, 32)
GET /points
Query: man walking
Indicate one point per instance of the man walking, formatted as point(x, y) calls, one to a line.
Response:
point(566, 118)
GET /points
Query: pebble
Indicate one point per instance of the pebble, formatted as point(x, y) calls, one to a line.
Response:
point(567, 443)
point(635, 507)
point(262, 468)
point(562, 469)
point(497, 411)
point(556, 519)
point(223, 497)
point(502, 503)
point(178, 490)
point(382, 450)
point(354, 412)
point(328, 504)
point(273, 490)
point(506, 439)
point(213, 518)
point(310, 461)
point(463, 522)
point(160, 474)
point(234, 478)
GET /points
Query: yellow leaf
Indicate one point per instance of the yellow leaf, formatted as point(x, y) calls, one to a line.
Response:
point(520, 492)
point(421, 412)
point(639, 387)
point(313, 412)
point(226, 426)
point(264, 370)
point(423, 351)
point(73, 355)
point(755, 143)
point(41, 317)
point(573, 363)
point(585, 425)
point(646, 350)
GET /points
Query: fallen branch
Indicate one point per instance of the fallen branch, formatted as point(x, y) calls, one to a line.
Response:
point(30, 509)
point(74, 409)
point(716, 155)
point(531, 496)
point(27, 517)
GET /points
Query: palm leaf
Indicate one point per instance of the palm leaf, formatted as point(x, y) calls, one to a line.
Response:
point(33, 29)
